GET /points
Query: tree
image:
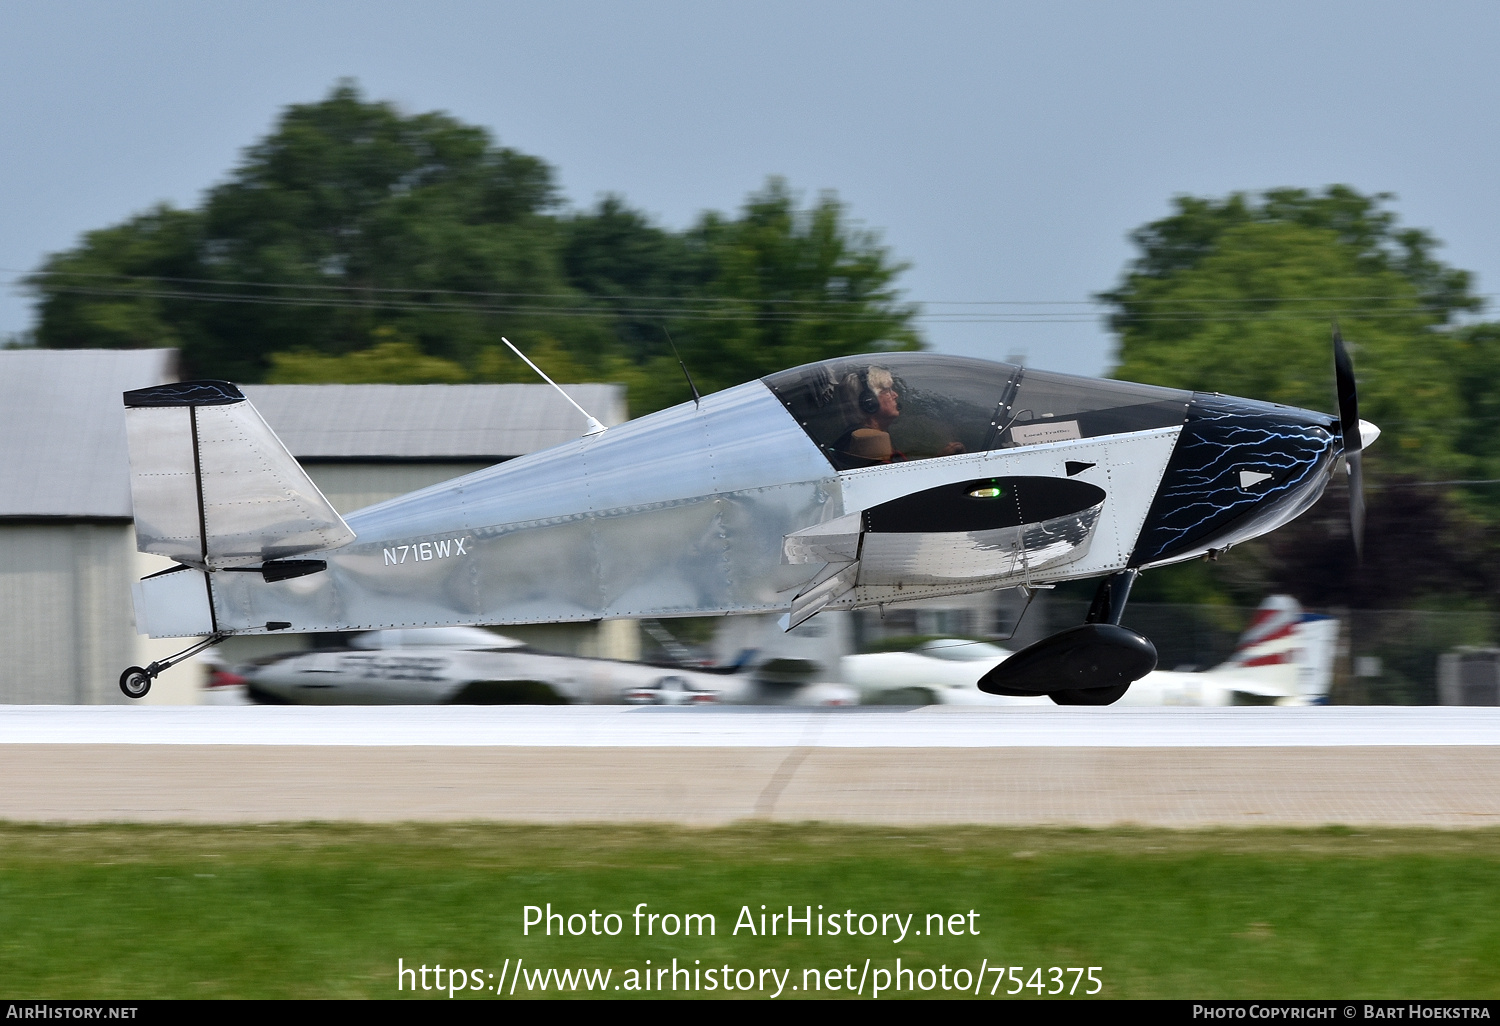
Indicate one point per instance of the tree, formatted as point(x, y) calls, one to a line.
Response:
point(788, 286)
point(1420, 546)
point(1238, 296)
point(391, 360)
point(739, 297)
point(1185, 239)
point(115, 291)
point(639, 272)
point(348, 218)
point(353, 227)
point(1476, 367)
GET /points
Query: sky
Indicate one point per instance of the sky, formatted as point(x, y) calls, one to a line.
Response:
point(1003, 150)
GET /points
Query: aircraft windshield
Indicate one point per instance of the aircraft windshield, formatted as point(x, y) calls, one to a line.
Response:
point(863, 411)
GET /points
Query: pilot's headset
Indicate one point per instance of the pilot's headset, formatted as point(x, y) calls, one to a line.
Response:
point(869, 402)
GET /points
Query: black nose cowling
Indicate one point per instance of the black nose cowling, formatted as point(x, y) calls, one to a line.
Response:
point(1240, 468)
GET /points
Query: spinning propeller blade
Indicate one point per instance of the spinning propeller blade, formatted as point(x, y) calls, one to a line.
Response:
point(1349, 424)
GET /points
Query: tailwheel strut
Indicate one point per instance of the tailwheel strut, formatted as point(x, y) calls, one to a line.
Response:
point(135, 682)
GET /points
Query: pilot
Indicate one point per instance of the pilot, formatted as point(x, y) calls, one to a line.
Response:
point(873, 397)
point(872, 392)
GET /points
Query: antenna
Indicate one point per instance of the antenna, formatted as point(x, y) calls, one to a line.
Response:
point(696, 396)
point(595, 428)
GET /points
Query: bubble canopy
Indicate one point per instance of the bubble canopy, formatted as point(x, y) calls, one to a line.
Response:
point(863, 411)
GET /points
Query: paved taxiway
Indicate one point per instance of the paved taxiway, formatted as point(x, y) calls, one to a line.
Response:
point(1021, 766)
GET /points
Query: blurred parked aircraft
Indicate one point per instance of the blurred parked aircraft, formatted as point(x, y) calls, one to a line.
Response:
point(472, 666)
point(460, 666)
point(1285, 657)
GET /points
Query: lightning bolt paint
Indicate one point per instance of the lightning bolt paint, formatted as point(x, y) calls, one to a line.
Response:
point(1202, 503)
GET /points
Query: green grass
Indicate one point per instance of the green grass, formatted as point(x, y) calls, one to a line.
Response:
point(322, 910)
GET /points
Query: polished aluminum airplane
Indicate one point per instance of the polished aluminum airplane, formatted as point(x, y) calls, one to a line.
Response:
point(852, 482)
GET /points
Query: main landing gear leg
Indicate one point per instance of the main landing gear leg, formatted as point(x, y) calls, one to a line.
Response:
point(1091, 664)
point(1108, 607)
point(1110, 599)
point(135, 682)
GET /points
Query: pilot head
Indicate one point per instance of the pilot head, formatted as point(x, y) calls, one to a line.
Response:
point(878, 401)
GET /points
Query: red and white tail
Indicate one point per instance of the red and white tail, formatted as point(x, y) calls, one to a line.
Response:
point(1291, 651)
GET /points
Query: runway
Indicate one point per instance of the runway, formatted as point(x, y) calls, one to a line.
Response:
point(1168, 767)
point(931, 726)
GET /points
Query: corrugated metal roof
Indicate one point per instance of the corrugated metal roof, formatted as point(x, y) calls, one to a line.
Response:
point(62, 428)
point(62, 423)
point(354, 422)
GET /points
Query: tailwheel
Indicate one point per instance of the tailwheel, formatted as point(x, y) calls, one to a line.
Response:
point(1090, 696)
point(135, 682)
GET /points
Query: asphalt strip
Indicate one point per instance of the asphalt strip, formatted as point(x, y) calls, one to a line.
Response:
point(1180, 768)
point(628, 727)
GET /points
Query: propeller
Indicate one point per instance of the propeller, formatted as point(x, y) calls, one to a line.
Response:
point(1354, 442)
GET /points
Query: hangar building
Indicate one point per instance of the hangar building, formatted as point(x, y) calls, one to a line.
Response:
point(67, 544)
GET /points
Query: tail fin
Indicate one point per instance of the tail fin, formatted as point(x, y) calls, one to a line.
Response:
point(1269, 640)
point(213, 486)
point(1292, 650)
